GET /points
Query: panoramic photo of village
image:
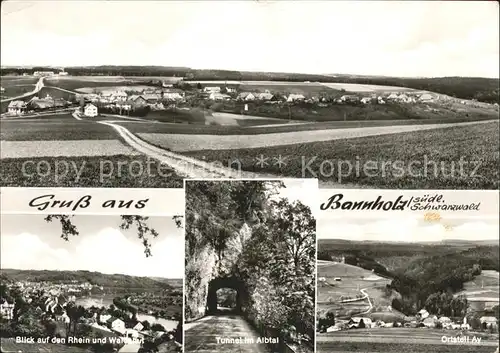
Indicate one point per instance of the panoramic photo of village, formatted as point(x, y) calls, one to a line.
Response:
point(408, 285)
point(127, 103)
point(250, 266)
point(82, 284)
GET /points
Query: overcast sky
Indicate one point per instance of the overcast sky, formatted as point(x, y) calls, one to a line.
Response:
point(28, 242)
point(410, 229)
point(407, 38)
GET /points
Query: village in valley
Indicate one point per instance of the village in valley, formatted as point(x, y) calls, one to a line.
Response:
point(140, 97)
point(60, 309)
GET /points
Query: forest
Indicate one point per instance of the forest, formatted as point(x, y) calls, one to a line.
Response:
point(240, 230)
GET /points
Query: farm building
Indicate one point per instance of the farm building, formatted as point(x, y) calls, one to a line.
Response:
point(393, 96)
point(489, 322)
point(422, 314)
point(295, 97)
point(264, 96)
point(349, 98)
point(366, 100)
point(17, 107)
point(43, 73)
point(429, 322)
point(138, 100)
point(119, 96)
point(7, 310)
point(247, 96)
point(90, 110)
point(426, 97)
point(211, 89)
point(218, 96)
point(152, 98)
point(172, 96)
point(2, 89)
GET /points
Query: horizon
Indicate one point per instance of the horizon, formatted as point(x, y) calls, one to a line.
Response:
point(414, 241)
point(102, 273)
point(331, 75)
point(406, 39)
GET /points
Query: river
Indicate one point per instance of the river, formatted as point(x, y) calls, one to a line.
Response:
point(106, 301)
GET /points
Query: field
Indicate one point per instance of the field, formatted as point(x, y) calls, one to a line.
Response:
point(17, 90)
point(354, 87)
point(113, 171)
point(398, 340)
point(384, 160)
point(306, 89)
point(354, 281)
point(72, 83)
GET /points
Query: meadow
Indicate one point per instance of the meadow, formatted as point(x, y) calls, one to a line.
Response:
point(17, 90)
point(476, 144)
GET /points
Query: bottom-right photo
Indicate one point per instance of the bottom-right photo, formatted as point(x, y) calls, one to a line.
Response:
point(413, 285)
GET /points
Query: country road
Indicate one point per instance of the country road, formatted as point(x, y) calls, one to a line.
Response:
point(202, 335)
point(363, 290)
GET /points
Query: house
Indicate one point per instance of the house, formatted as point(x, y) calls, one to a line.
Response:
point(116, 325)
point(295, 97)
point(393, 96)
point(90, 110)
point(138, 100)
point(7, 310)
point(103, 318)
point(349, 98)
point(266, 96)
point(247, 96)
point(119, 96)
point(380, 100)
point(219, 96)
point(43, 73)
point(360, 322)
point(321, 279)
point(17, 107)
point(230, 90)
point(488, 322)
point(63, 318)
point(445, 322)
point(366, 100)
point(426, 97)
point(429, 322)
point(422, 314)
point(2, 90)
point(138, 327)
point(212, 89)
point(335, 328)
point(172, 96)
point(151, 98)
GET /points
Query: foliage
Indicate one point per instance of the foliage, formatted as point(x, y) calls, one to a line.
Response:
point(265, 242)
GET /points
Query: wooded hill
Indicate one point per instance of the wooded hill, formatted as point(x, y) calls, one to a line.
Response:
point(95, 278)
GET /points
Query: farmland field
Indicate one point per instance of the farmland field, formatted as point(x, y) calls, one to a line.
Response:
point(477, 144)
point(188, 143)
point(399, 340)
point(354, 87)
point(113, 171)
point(72, 83)
point(351, 282)
point(304, 88)
point(7, 81)
point(17, 90)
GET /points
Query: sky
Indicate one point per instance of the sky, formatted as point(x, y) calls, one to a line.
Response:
point(29, 242)
point(391, 38)
point(409, 229)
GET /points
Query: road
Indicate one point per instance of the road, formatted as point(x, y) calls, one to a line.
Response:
point(202, 335)
point(369, 301)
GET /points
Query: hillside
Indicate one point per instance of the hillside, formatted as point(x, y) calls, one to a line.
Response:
point(96, 278)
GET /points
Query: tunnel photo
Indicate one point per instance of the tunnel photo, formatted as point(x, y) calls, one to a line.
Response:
point(250, 255)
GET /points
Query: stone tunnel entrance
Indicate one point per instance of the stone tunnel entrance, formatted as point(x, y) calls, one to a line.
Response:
point(221, 283)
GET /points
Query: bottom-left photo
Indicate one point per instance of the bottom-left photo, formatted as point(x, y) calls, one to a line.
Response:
point(91, 283)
